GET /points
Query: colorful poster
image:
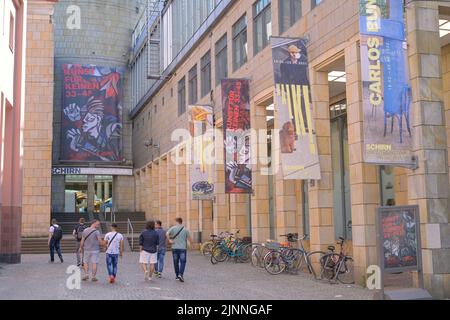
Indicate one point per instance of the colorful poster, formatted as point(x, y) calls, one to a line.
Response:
point(91, 124)
point(202, 166)
point(294, 110)
point(387, 93)
point(398, 237)
point(237, 136)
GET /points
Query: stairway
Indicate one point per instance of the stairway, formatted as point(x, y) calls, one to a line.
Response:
point(40, 245)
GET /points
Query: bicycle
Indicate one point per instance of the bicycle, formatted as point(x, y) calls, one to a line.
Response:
point(260, 250)
point(230, 247)
point(207, 246)
point(337, 266)
point(290, 259)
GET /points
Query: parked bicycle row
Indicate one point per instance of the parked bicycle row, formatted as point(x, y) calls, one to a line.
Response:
point(285, 257)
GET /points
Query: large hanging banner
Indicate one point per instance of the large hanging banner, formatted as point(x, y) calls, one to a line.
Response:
point(387, 94)
point(202, 166)
point(91, 125)
point(294, 110)
point(237, 136)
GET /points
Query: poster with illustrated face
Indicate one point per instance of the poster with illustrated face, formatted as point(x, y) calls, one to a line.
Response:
point(294, 110)
point(91, 124)
point(237, 136)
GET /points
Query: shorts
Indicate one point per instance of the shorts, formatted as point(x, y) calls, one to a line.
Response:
point(91, 257)
point(147, 257)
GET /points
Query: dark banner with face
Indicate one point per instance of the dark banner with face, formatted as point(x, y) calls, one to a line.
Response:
point(237, 135)
point(91, 126)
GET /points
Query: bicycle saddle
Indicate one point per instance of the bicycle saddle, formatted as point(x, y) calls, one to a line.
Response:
point(331, 248)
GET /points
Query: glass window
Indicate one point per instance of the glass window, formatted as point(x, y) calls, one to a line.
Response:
point(262, 24)
point(76, 190)
point(341, 175)
point(182, 96)
point(221, 59)
point(205, 65)
point(240, 46)
point(315, 3)
point(103, 194)
point(387, 186)
point(193, 86)
point(290, 13)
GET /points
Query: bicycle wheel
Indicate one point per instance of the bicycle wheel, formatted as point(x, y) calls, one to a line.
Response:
point(218, 254)
point(206, 248)
point(274, 263)
point(246, 252)
point(345, 273)
point(328, 265)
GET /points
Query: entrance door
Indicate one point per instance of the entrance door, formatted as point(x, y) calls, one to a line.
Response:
point(341, 173)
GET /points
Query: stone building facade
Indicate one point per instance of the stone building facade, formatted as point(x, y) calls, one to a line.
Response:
point(307, 207)
point(102, 39)
point(12, 108)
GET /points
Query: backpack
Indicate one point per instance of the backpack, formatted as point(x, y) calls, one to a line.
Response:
point(79, 231)
point(57, 233)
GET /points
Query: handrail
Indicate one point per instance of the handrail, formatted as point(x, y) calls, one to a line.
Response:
point(130, 226)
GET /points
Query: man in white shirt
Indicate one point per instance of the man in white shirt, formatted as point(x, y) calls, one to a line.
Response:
point(114, 248)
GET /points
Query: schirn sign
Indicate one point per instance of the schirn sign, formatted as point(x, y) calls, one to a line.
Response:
point(92, 171)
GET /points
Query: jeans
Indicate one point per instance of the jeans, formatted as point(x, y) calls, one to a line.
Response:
point(179, 261)
point(78, 252)
point(111, 263)
point(55, 245)
point(160, 264)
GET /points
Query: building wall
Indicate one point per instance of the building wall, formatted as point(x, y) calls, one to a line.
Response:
point(104, 39)
point(333, 31)
point(12, 88)
point(38, 130)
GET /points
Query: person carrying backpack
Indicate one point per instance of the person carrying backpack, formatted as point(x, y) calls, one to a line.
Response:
point(180, 239)
point(54, 241)
point(78, 235)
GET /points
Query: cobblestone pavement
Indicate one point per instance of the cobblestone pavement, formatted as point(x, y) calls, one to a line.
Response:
point(35, 278)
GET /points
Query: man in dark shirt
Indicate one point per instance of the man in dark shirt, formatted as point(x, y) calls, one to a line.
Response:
point(161, 248)
point(148, 242)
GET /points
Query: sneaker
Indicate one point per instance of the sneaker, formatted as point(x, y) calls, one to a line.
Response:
point(78, 264)
point(159, 275)
point(94, 279)
point(181, 278)
point(177, 279)
point(146, 276)
point(62, 260)
point(111, 279)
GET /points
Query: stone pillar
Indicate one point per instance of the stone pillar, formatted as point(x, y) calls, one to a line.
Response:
point(106, 190)
point(137, 180)
point(155, 191)
point(321, 192)
point(181, 192)
point(148, 193)
point(260, 198)
point(286, 206)
point(221, 213)
point(163, 213)
point(91, 194)
point(99, 191)
point(364, 179)
point(239, 214)
point(171, 189)
point(428, 186)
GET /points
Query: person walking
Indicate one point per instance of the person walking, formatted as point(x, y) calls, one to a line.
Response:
point(161, 248)
point(148, 242)
point(78, 235)
point(180, 239)
point(114, 248)
point(90, 249)
point(55, 235)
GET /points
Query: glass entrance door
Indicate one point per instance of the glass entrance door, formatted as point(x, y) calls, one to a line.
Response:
point(341, 173)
